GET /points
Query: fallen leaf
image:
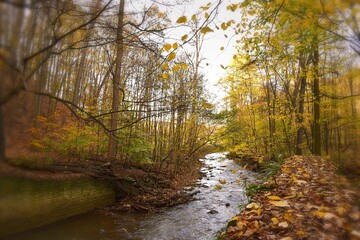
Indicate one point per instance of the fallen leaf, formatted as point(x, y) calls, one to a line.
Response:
point(275, 220)
point(289, 197)
point(240, 225)
point(274, 198)
point(252, 206)
point(218, 187)
point(239, 234)
point(289, 216)
point(232, 229)
point(279, 203)
point(355, 233)
point(283, 224)
point(300, 233)
point(341, 210)
point(249, 232)
point(287, 238)
point(256, 224)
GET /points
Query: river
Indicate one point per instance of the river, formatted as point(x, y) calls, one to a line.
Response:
point(220, 192)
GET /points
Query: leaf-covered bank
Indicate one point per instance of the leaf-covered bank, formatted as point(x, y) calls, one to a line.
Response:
point(306, 200)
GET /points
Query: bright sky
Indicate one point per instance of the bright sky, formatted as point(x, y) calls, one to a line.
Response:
point(211, 54)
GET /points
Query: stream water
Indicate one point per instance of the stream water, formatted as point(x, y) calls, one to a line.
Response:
point(201, 218)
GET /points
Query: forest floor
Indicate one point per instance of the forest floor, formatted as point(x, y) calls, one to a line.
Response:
point(306, 199)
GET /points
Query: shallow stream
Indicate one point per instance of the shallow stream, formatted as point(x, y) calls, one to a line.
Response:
point(220, 192)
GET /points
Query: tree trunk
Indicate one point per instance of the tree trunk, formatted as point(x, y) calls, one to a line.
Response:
point(112, 147)
point(300, 118)
point(2, 136)
point(316, 93)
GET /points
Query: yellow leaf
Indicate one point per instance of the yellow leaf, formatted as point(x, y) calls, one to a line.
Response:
point(256, 211)
point(236, 218)
point(167, 47)
point(165, 76)
point(239, 234)
point(204, 8)
point(224, 26)
point(288, 197)
point(237, 181)
point(232, 7)
point(252, 206)
point(175, 46)
point(240, 225)
point(183, 38)
point(206, 15)
point(165, 66)
point(256, 224)
point(193, 17)
point(181, 19)
point(171, 56)
point(222, 48)
point(275, 220)
point(274, 198)
point(279, 203)
point(218, 187)
point(222, 181)
point(300, 233)
point(319, 214)
point(184, 66)
point(244, 167)
point(289, 216)
point(234, 171)
point(176, 68)
point(205, 30)
point(283, 224)
point(341, 211)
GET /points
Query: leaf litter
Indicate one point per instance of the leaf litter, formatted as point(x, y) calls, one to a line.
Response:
point(308, 201)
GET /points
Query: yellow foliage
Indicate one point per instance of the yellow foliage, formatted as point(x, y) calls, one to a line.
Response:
point(181, 19)
point(167, 47)
point(171, 56)
point(183, 38)
point(206, 30)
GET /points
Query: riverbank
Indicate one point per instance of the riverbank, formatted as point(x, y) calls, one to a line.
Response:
point(137, 187)
point(306, 199)
point(9, 170)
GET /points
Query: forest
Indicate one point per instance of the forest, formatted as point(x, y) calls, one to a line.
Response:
point(117, 92)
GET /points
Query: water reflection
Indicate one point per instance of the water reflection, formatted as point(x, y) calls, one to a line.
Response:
point(198, 219)
point(25, 204)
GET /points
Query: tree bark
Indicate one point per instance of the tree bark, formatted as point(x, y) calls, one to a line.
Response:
point(316, 94)
point(112, 147)
point(300, 112)
point(2, 136)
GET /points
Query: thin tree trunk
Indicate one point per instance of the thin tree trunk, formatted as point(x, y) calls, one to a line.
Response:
point(316, 93)
point(112, 147)
point(300, 118)
point(2, 136)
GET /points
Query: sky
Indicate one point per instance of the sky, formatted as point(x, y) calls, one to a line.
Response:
point(211, 54)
